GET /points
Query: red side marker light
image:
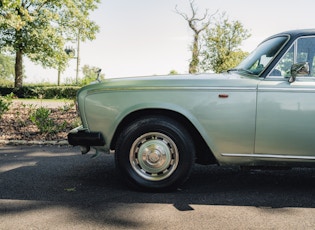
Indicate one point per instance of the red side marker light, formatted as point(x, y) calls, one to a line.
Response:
point(223, 95)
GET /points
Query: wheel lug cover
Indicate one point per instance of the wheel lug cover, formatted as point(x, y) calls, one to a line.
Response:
point(154, 156)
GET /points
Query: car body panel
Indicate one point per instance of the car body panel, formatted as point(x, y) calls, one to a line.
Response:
point(285, 118)
point(218, 119)
point(245, 116)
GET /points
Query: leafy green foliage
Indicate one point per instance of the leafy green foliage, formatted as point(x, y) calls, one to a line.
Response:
point(39, 29)
point(40, 117)
point(66, 107)
point(19, 114)
point(5, 103)
point(44, 92)
point(221, 45)
point(173, 72)
point(90, 75)
point(6, 67)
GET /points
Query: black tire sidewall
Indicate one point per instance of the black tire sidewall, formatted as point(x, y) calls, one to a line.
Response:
point(168, 127)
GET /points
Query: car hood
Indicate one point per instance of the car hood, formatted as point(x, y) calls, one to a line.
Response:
point(170, 78)
point(173, 81)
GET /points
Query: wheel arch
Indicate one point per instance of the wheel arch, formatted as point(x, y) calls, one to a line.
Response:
point(204, 154)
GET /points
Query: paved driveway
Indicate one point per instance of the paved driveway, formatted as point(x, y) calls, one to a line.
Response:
point(56, 188)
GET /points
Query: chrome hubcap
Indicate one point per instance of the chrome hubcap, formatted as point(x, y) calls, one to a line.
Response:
point(154, 156)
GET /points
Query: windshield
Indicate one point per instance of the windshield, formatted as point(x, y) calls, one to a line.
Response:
point(259, 59)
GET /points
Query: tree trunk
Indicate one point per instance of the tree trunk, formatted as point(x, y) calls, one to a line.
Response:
point(193, 65)
point(18, 83)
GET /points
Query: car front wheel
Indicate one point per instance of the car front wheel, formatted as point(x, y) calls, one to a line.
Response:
point(154, 153)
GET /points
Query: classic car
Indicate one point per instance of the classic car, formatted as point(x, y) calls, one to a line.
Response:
point(259, 114)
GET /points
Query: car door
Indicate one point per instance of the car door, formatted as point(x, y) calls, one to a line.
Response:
point(285, 119)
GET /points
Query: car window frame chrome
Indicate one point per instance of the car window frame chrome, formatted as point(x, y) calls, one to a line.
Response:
point(295, 44)
point(263, 72)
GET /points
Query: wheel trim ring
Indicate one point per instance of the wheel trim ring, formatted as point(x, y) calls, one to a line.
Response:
point(154, 156)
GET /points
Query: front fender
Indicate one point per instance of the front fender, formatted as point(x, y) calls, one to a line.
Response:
point(135, 111)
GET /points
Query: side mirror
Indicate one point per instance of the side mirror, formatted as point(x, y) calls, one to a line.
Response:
point(299, 70)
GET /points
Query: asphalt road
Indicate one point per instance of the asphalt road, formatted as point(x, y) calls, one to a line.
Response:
point(57, 188)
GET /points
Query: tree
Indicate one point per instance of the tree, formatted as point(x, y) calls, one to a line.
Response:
point(173, 72)
point(197, 25)
point(221, 45)
point(90, 74)
point(6, 68)
point(39, 30)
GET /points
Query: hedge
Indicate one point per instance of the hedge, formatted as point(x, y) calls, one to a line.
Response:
point(45, 92)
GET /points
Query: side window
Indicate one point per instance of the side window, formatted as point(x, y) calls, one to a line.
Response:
point(303, 50)
point(283, 68)
point(306, 52)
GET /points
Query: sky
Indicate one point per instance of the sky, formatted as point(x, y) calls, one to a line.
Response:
point(147, 37)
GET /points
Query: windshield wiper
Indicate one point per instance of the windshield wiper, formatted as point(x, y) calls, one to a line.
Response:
point(241, 70)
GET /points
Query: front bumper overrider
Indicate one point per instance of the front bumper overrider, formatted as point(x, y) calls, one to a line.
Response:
point(82, 137)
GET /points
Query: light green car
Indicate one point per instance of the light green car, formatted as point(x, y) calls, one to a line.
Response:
point(262, 113)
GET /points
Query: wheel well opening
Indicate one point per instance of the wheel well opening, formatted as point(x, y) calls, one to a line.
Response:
point(204, 154)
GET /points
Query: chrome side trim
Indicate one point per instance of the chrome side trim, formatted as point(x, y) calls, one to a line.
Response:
point(289, 157)
point(150, 88)
point(283, 90)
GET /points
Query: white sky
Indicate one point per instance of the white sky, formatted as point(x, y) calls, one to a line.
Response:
point(147, 37)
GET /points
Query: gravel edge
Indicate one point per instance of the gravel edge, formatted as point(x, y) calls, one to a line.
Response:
point(22, 142)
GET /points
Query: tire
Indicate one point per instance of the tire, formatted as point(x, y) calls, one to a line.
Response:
point(155, 154)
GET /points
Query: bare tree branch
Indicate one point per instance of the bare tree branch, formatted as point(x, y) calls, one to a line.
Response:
point(197, 25)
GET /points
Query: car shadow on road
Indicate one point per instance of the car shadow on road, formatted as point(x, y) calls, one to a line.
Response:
point(50, 176)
